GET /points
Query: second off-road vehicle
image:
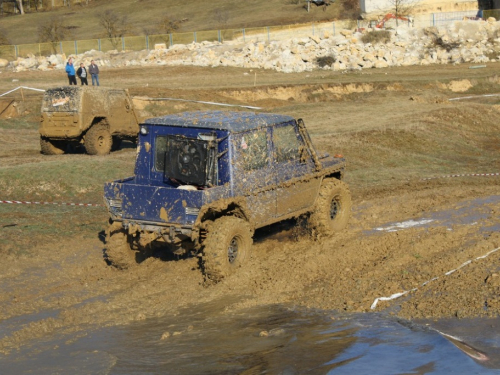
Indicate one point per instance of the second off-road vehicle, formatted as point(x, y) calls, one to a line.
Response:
point(205, 181)
point(97, 118)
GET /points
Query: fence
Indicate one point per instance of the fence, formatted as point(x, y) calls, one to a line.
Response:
point(258, 34)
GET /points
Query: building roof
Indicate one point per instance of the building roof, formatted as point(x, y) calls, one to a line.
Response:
point(220, 120)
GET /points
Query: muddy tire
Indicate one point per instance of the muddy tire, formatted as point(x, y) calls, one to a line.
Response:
point(332, 209)
point(51, 147)
point(118, 250)
point(226, 247)
point(98, 140)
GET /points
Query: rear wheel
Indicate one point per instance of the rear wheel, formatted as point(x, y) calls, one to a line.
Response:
point(118, 249)
point(51, 147)
point(226, 247)
point(98, 139)
point(332, 210)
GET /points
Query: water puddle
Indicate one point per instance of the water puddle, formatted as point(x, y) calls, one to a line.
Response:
point(266, 340)
point(470, 212)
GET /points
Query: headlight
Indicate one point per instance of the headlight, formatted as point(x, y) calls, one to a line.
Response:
point(144, 130)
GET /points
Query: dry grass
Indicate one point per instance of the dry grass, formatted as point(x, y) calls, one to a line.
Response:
point(83, 21)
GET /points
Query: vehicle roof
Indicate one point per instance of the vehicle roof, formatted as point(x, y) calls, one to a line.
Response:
point(220, 120)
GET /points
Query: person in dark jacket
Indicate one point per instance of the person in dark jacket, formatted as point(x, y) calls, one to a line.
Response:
point(70, 70)
point(94, 72)
point(82, 74)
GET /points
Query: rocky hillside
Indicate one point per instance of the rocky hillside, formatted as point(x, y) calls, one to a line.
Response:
point(459, 42)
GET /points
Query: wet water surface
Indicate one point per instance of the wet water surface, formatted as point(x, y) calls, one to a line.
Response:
point(267, 340)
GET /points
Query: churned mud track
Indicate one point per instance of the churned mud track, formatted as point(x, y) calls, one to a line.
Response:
point(68, 288)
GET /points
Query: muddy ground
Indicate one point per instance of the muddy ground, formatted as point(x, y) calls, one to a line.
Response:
point(410, 225)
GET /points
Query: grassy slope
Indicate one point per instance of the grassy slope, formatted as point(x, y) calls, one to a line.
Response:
point(141, 14)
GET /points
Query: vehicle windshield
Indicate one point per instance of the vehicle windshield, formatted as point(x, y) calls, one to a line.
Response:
point(62, 99)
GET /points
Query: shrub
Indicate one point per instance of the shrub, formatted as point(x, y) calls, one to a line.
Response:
point(325, 61)
point(376, 37)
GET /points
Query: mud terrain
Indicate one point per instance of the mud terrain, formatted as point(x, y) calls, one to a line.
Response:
point(414, 229)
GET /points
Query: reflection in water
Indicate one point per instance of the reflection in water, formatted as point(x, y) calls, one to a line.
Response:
point(264, 340)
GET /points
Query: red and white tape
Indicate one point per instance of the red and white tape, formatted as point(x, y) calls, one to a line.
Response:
point(54, 203)
point(464, 175)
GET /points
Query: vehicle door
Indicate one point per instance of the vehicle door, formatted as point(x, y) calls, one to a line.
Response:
point(253, 176)
point(122, 119)
point(294, 166)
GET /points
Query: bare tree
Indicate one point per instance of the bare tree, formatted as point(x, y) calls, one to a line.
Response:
point(115, 26)
point(402, 8)
point(19, 5)
point(167, 25)
point(53, 31)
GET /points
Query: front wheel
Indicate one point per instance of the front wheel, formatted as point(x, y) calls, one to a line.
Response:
point(226, 247)
point(332, 209)
point(118, 249)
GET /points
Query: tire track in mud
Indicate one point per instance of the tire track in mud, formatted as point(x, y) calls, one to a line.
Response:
point(68, 289)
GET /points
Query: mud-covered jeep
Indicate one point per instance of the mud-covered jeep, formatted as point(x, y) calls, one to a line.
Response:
point(99, 118)
point(205, 181)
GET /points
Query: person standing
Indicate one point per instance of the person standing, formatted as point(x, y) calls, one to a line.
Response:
point(70, 70)
point(94, 73)
point(82, 74)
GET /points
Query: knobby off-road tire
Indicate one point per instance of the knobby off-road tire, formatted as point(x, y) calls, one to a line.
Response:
point(118, 249)
point(98, 140)
point(51, 147)
point(226, 247)
point(332, 209)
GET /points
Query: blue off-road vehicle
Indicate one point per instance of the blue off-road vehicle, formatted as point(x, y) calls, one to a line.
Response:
point(205, 181)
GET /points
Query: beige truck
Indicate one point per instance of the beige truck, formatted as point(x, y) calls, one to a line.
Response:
point(97, 118)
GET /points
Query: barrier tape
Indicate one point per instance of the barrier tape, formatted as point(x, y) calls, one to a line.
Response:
point(464, 175)
point(55, 203)
point(400, 294)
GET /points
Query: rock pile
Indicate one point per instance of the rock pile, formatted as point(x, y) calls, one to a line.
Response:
point(459, 42)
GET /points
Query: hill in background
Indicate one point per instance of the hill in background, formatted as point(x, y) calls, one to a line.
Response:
point(148, 17)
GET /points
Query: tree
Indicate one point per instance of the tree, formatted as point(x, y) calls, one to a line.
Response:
point(53, 31)
point(167, 25)
point(115, 26)
point(402, 8)
point(19, 5)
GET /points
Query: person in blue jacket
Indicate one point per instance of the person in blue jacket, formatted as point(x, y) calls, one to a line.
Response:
point(70, 69)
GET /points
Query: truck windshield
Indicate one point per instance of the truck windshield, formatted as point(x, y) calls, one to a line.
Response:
point(185, 160)
point(62, 99)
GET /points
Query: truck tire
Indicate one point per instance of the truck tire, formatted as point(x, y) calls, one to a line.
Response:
point(116, 144)
point(98, 140)
point(51, 147)
point(118, 250)
point(332, 209)
point(226, 247)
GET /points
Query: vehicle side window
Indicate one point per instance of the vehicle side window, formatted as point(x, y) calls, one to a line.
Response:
point(286, 144)
point(160, 149)
point(253, 148)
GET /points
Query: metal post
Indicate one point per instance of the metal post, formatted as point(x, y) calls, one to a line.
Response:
point(194, 36)
point(60, 46)
point(147, 42)
point(76, 47)
point(16, 51)
point(268, 36)
point(123, 43)
point(171, 40)
point(99, 44)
